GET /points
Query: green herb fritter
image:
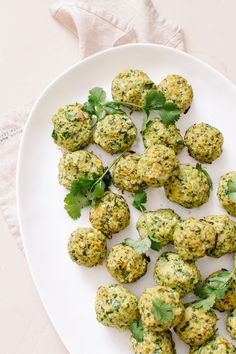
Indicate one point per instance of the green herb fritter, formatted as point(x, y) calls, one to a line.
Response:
point(72, 127)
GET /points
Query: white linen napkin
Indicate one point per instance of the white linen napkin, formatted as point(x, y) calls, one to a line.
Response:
point(99, 25)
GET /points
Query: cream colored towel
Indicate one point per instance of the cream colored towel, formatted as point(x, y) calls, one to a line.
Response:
point(98, 24)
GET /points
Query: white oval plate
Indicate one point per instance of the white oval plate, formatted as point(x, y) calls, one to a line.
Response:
point(67, 290)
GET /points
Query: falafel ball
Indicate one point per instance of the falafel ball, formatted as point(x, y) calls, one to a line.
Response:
point(190, 188)
point(116, 306)
point(225, 235)
point(115, 133)
point(72, 127)
point(231, 323)
point(158, 133)
point(159, 224)
point(87, 246)
point(204, 142)
point(172, 271)
point(196, 326)
point(76, 165)
point(125, 176)
point(131, 87)
point(153, 343)
point(157, 164)
point(194, 238)
point(151, 299)
point(226, 194)
point(176, 89)
point(110, 214)
point(217, 345)
point(125, 265)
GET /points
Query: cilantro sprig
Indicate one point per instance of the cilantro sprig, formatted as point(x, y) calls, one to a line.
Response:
point(215, 288)
point(86, 190)
point(143, 246)
point(137, 330)
point(232, 190)
point(140, 198)
point(162, 311)
point(97, 106)
point(203, 170)
point(155, 101)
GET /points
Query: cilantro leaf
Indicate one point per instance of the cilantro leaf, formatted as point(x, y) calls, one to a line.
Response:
point(107, 179)
point(153, 101)
point(97, 105)
point(140, 198)
point(162, 311)
point(169, 113)
point(96, 95)
point(205, 304)
point(139, 246)
point(215, 288)
point(155, 244)
point(99, 190)
point(112, 107)
point(86, 190)
point(201, 169)
point(74, 204)
point(232, 190)
point(81, 186)
point(137, 331)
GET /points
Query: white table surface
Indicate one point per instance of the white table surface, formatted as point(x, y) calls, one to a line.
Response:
point(34, 49)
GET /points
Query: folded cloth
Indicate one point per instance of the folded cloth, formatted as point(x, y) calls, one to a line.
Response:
point(99, 25)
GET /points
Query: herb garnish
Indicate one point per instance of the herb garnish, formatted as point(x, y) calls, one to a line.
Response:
point(232, 190)
point(155, 101)
point(162, 311)
point(137, 330)
point(140, 198)
point(215, 288)
point(201, 169)
point(98, 107)
point(84, 191)
point(143, 246)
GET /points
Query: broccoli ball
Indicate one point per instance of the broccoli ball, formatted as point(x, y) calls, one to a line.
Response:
point(226, 197)
point(194, 238)
point(172, 271)
point(125, 174)
point(78, 164)
point(87, 246)
point(157, 165)
point(125, 265)
point(72, 127)
point(217, 345)
point(228, 302)
point(115, 133)
point(196, 326)
point(149, 307)
point(177, 89)
point(153, 343)
point(160, 224)
point(116, 306)
point(204, 142)
point(231, 323)
point(225, 235)
point(190, 188)
point(158, 133)
point(131, 87)
point(110, 214)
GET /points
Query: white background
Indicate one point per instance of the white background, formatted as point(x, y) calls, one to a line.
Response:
point(34, 49)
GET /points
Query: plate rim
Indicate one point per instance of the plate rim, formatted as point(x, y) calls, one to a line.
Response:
point(30, 118)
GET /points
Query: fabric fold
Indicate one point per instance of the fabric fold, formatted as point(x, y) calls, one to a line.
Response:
point(99, 25)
